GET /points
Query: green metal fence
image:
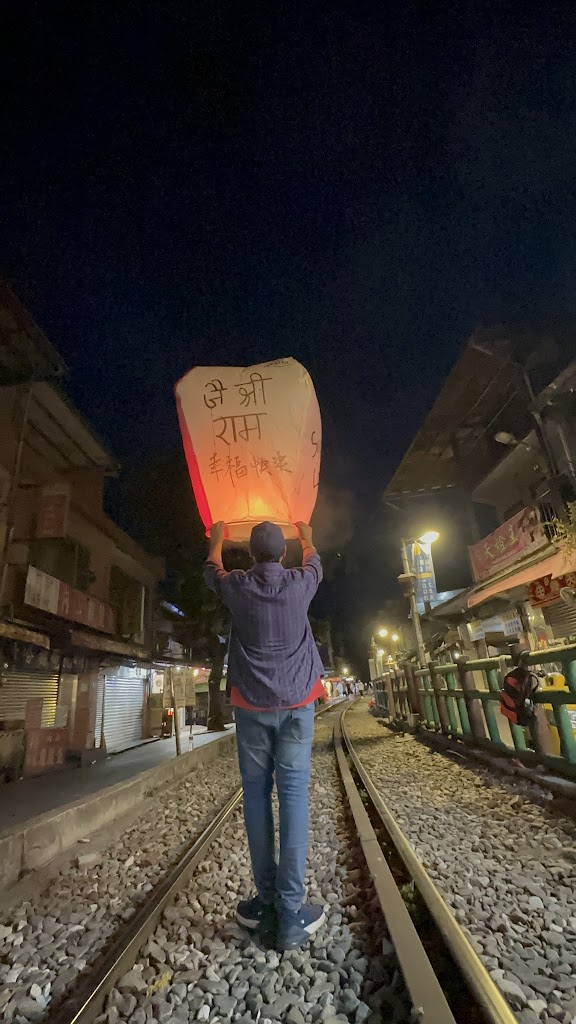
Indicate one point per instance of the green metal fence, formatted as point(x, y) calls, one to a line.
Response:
point(461, 700)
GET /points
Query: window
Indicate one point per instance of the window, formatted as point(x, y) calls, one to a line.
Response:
point(127, 596)
point(65, 559)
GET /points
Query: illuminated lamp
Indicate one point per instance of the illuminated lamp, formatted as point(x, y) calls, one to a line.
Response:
point(252, 438)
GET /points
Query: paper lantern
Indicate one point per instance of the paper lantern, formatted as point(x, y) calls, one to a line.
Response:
point(252, 437)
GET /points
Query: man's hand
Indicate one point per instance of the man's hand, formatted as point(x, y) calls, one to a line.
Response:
point(305, 534)
point(217, 531)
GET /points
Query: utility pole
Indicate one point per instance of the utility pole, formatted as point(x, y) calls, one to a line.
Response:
point(407, 581)
point(175, 694)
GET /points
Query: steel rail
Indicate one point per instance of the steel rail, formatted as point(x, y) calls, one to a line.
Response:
point(85, 1001)
point(428, 1000)
point(491, 1001)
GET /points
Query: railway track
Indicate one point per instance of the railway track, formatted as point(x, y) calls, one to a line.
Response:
point(433, 975)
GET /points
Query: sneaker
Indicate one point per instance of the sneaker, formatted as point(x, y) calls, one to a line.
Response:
point(296, 928)
point(252, 914)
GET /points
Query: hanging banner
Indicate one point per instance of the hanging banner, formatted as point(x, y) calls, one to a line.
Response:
point(421, 564)
point(252, 438)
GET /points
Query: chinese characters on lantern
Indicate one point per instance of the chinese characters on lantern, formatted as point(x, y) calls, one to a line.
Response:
point(235, 468)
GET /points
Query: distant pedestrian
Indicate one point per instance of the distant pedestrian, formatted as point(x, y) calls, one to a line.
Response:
point(275, 677)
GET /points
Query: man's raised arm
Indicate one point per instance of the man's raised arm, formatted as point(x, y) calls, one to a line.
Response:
point(311, 564)
point(214, 571)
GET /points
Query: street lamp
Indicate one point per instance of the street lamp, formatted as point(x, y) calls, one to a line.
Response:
point(407, 580)
point(383, 633)
point(395, 638)
point(429, 538)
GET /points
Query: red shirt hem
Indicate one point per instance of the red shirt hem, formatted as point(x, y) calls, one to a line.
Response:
point(316, 693)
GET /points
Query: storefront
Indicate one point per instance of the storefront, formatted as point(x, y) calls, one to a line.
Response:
point(120, 709)
point(551, 599)
point(27, 673)
point(491, 634)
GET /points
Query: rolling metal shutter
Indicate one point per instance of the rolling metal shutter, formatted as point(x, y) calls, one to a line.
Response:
point(562, 618)
point(123, 711)
point(99, 709)
point(18, 687)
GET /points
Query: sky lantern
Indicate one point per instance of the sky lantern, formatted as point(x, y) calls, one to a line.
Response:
point(252, 437)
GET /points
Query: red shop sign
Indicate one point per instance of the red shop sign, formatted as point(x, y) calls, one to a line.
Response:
point(512, 541)
point(546, 590)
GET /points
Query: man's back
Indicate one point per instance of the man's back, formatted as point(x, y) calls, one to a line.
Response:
point(273, 659)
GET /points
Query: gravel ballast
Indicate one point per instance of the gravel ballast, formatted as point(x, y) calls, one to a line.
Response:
point(504, 862)
point(199, 966)
point(47, 941)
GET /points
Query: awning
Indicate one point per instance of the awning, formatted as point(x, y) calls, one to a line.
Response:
point(102, 643)
point(10, 631)
point(554, 565)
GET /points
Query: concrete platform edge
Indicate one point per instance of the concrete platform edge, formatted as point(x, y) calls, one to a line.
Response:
point(36, 842)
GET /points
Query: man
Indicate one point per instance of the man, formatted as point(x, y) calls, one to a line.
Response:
point(274, 672)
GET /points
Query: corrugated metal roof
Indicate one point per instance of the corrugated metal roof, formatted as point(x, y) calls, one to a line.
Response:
point(478, 391)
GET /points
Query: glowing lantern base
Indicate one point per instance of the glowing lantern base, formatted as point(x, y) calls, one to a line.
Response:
point(252, 438)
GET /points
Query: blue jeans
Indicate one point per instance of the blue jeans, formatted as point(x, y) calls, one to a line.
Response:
point(276, 742)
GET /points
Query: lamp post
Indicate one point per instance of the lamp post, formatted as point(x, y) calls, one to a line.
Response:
point(407, 580)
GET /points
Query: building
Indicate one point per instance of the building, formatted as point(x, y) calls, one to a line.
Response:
point(76, 592)
point(502, 436)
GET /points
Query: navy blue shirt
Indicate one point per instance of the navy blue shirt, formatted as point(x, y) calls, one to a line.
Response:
point(273, 660)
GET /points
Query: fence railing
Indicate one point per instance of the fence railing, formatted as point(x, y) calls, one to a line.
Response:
point(461, 700)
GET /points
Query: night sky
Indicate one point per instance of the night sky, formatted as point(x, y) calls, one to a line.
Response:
point(354, 185)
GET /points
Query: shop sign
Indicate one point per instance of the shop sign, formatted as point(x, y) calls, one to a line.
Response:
point(514, 540)
point(52, 520)
point(546, 590)
point(509, 623)
point(51, 595)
